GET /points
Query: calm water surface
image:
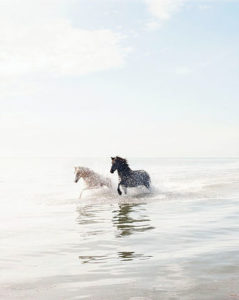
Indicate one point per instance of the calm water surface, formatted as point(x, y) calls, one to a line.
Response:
point(179, 242)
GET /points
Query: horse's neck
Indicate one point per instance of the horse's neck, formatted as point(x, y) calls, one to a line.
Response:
point(92, 178)
point(88, 176)
point(124, 171)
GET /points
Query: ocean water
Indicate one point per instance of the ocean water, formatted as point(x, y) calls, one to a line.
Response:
point(181, 241)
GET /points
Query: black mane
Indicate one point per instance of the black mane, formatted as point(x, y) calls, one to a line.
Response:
point(123, 165)
point(122, 161)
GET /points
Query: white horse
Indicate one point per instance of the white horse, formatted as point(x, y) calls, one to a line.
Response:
point(92, 179)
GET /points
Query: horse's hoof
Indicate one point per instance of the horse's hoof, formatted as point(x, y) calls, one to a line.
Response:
point(120, 193)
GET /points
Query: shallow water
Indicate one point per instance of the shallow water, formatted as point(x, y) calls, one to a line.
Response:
point(178, 242)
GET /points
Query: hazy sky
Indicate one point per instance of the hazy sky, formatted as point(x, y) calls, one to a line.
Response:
point(128, 77)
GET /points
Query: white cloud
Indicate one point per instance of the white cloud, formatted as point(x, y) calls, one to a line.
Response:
point(58, 48)
point(40, 39)
point(183, 70)
point(204, 6)
point(153, 25)
point(164, 9)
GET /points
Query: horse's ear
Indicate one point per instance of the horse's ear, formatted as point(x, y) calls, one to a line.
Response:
point(112, 158)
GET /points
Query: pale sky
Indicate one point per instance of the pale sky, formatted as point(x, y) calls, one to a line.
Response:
point(142, 78)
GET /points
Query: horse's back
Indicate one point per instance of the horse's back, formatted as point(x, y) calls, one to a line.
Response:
point(140, 177)
point(142, 173)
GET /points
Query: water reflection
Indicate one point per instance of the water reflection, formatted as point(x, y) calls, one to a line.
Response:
point(99, 242)
point(92, 259)
point(87, 215)
point(130, 218)
point(130, 255)
point(122, 256)
point(92, 220)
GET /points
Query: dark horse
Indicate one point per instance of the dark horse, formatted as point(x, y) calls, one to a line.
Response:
point(128, 177)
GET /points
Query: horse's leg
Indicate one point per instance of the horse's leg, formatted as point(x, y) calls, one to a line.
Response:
point(125, 189)
point(83, 191)
point(119, 191)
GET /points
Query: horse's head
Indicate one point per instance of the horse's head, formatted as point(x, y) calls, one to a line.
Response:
point(116, 163)
point(79, 172)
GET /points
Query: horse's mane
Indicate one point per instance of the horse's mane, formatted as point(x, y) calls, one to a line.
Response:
point(84, 169)
point(123, 161)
